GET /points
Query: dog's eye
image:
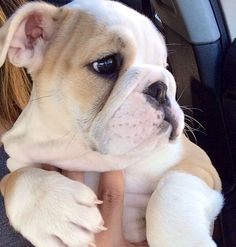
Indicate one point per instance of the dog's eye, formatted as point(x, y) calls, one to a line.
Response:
point(109, 65)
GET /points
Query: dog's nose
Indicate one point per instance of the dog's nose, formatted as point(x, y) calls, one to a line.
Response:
point(158, 91)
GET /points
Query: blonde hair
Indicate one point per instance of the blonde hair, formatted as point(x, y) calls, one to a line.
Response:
point(15, 85)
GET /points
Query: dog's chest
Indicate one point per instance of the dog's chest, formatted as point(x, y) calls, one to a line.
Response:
point(141, 179)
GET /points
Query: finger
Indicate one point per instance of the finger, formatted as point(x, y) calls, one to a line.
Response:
point(111, 192)
point(77, 176)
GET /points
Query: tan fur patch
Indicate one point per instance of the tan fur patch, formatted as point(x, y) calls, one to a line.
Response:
point(7, 184)
point(196, 162)
point(66, 64)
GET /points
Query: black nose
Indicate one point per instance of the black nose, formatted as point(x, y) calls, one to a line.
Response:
point(158, 91)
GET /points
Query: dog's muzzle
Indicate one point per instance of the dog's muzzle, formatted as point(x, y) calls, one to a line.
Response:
point(156, 95)
point(140, 112)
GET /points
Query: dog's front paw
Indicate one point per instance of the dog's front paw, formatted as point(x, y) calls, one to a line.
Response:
point(50, 209)
point(181, 212)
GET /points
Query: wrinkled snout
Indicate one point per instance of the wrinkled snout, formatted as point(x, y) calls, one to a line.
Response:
point(141, 112)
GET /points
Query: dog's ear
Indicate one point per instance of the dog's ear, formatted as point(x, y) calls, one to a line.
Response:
point(24, 36)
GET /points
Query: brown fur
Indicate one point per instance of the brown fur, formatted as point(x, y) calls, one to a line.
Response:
point(74, 58)
point(196, 162)
point(8, 183)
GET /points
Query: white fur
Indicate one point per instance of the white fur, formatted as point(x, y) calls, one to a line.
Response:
point(154, 53)
point(60, 210)
point(180, 204)
point(181, 211)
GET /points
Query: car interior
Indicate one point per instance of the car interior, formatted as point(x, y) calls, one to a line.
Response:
point(202, 56)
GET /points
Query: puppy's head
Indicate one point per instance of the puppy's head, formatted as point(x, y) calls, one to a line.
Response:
point(95, 72)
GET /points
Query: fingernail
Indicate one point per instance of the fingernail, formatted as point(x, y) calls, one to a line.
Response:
point(102, 228)
point(98, 202)
point(92, 245)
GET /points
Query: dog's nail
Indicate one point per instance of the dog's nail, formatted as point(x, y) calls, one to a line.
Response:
point(92, 245)
point(98, 202)
point(102, 228)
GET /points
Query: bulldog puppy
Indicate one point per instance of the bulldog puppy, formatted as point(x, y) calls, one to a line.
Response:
point(102, 100)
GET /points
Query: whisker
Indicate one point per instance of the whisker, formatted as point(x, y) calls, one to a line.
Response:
point(188, 128)
point(186, 133)
point(181, 94)
point(185, 108)
point(191, 108)
point(171, 51)
point(194, 120)
point(196, 130)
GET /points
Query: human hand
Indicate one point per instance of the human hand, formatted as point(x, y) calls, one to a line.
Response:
point(111, 192)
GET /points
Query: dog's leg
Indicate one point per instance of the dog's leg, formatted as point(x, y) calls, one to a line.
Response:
point(49, 209)
point(181, 212)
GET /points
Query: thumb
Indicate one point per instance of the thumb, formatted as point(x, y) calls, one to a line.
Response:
point(111, 192)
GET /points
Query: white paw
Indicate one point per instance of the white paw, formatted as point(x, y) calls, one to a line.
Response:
point(181, 211)
point(52, 210)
